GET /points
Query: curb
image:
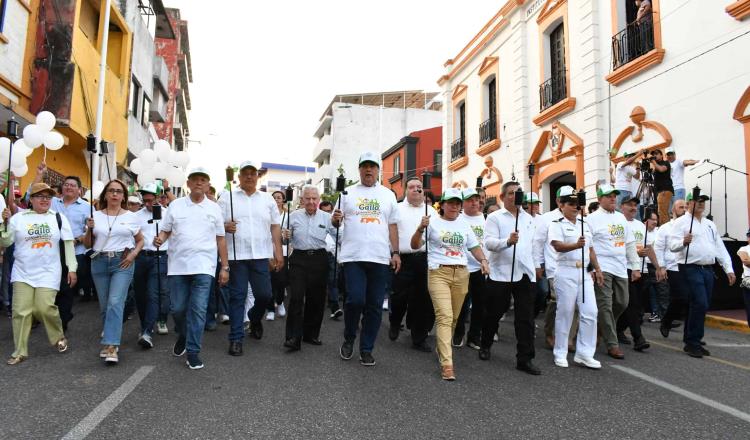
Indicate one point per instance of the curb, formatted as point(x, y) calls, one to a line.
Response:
point(722, 323)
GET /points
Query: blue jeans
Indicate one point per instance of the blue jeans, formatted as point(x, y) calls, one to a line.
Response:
point(333, 289)
point(112, 284)
point(241, 273)
point(365, 291)
point(149, 300)
point(700, 280)
point(188, 296)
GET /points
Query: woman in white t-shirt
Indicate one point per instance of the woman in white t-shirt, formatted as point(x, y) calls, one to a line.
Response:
point(115, 237)
point(744, 254)
point(37, 270)
point(450, 240)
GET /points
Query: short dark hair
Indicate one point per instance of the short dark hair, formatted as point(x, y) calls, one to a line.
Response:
point(508, 184)
point(211, 189)
point(325, 203)
point(76, 178)
point(593, 206)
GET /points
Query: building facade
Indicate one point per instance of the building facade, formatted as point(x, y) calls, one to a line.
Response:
point(278, 176)
point(353, 124)
point(569, 86)
point(414, 155)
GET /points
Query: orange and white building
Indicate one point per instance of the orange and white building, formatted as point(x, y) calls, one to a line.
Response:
point(569, 86)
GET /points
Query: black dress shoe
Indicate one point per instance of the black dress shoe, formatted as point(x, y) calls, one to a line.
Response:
point(622, 339)
point(422, 346)
point(292, 344)
point(256, 330)
point(528, 367)
point(664, 329)
point(312, 341)
point(235, 348)
point(641, 344)
point(693, 351)
point(484, 354)
point(393, 332)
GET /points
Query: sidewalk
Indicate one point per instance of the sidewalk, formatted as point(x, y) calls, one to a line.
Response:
point(735, 320)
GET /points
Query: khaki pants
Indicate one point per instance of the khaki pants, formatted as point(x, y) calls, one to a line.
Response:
point(663, 200)
point(611, 300)
point(29, 302)
point(448, 287)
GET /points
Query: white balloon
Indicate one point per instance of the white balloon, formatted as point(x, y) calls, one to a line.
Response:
point(162, 149)
point(46, 121)
point(136, 149)
point(136, 166)
point(148, 158)
point(3, 166)
point(98, 187)
point(20, 151)
point(33, 136)
point(178, 178)
point(146, 177)
point(171, 160)
point(4, 147)
point(20, 171)
point(54, 140)
point(183, 158)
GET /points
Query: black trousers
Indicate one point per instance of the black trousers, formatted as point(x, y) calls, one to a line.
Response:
point(308, 274)
point(678, 303)
point(475, 297)
point(633, 314)
point(279, 283)
point(66, 295)
point(411, 298)
point(498, 302)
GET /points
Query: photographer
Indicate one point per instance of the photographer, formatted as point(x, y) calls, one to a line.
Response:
point(662, 183)
point(624, 174)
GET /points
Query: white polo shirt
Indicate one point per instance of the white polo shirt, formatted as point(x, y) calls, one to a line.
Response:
point(149, 229)
point(254, 214)
point(500, 224)
point(194, 228)
point(368, 212)
point(567, 232)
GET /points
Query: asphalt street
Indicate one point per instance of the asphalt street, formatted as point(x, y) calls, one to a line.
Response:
point(269, 393)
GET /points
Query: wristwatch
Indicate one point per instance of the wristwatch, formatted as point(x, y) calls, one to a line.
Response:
point(395, 253)
point(225, 268)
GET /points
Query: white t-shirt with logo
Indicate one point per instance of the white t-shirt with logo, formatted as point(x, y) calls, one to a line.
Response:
point(624, 177)
point(37, 249)
point(611, 235)
point(639, 234)
point(113, 233)
point(450, 242)
point(476, 222)
point(368, 212)
point(677, 172)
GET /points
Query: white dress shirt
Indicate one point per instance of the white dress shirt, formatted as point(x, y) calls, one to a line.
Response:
point(477, 224)
point(543, 251)
point(409, 218)
point(254, 214)
point(613, 242)
point(706, 246)
point(194, 228)
point(567, 232)
point(664, 255)
point(500, 224)
point(309, 232)
point(149, 229)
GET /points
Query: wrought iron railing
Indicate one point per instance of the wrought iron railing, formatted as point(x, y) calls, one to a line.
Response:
point(487, 131)
point(552, 91)
point(458, 150)
point(634, 41)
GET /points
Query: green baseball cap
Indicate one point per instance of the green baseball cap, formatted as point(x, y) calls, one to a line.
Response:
point(531, 198)
point(468, 193)
point(701, 198)
point(605, 190)
point(565, 191)
point(452, 193)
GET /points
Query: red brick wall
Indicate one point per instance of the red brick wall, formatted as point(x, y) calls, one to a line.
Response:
point(169, 49)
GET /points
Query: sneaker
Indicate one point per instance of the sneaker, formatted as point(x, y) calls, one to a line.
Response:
point(281, 310)
point(561, 362)
point(588, 362)
point(62, 345)
point(161, 328)
point(337, 314)
point(347, 350)
point(224, 319)
point(473, 344)
point(385, 304)
point(458, 340)
point(111, 358)
point(145, 341)
point(179, 347)
point(270, 316)
point(654, 318)
point(366, 359)
point(393, 332)
point(103, 353)
point(193, 361)
point(447, 373)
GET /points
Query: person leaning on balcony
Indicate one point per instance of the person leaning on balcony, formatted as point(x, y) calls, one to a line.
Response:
point(644, 11)
point(37, 269)
point(450, 240)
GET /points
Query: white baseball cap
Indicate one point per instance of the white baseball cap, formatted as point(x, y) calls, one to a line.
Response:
point(452, 193)
point(150, 188)
point(565, 191)
point(134, 199)
point(369, 156)
point(469, 192)
point(199, 171)
point(671, 150)
point(531, 198)
point(606, 189)
point(250, 164)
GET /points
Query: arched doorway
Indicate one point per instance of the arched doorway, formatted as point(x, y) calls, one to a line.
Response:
point(555, 183)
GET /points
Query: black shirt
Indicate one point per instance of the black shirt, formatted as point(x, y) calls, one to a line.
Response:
point(663, 180)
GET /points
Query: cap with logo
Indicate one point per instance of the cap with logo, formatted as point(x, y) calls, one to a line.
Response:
point(451, 194)
point(369, 156)
point(469, 192)
point(149, 188)
point(250, 164)
point(605, 190)
point(199, 171)
point(565, 191)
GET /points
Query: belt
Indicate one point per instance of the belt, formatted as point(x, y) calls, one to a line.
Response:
point(310, 251)
point(155, 253)
point(412, 255)
point(110, 254)
point(576, 264)
point(453, 266)
point(704, 266)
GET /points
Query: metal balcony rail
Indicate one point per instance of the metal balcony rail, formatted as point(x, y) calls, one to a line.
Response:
point(552, 91)
point(487, 131)
point(458, 150)
point(634, 41)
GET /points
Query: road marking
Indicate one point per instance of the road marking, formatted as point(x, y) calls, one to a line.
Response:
point(711, 358)
point(90, 422)
point(685, 393)
point(731, 345)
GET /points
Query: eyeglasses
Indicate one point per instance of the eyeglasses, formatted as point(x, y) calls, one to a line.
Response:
point(115, 191)
point(70, 185)
point(43, 197)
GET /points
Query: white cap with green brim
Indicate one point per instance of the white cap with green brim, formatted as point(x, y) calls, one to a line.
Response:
point(469, 192)
point(531, 198)
point(605, 190)
point(451, 194)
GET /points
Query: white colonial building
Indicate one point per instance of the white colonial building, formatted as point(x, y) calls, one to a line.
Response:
point(355, 123)
point(568, 86)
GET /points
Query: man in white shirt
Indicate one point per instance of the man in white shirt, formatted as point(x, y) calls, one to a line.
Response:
point(504, 243)
point(624, 175)
point(472, 214)
point(253, 219)
point(410, 296)
point(696, 251)
point(195, 230)
point(369, 246)
point(677, 171)
point(150, 276)
point(614, 245)
point(677, 307)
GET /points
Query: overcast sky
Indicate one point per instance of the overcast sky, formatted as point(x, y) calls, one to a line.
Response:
point(264, 72)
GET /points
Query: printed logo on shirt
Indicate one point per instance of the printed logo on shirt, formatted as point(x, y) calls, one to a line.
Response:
point(479, 232)
point(451, 243)
point(638, 235)
point(368, 210)
point(39, 235)
point(617, 235)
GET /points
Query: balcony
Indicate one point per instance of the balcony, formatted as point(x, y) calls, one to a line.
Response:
point(323, 149)
point(458, 155)
point(488, 140)
point(636, 40)
point(552, 91)
point(161, 75)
